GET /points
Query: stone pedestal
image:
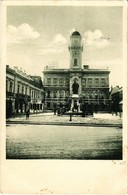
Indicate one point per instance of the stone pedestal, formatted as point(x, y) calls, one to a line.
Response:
point(75, 100)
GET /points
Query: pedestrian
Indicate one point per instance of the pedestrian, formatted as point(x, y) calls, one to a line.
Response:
point(27, 113)
point(54, 108)
point(28, 110)
point(58, 110)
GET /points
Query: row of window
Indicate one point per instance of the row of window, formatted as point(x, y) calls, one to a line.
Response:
point(75, 47)
point(22, 89)
point(56, 94)
point(96, 82)
point(57, 81)
point(87, 94)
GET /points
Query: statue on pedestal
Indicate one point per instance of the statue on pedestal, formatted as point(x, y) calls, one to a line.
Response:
point(75, 87)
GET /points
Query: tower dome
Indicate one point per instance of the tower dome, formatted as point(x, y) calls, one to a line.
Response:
point(75, 33)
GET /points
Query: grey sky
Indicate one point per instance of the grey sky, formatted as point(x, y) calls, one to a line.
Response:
point(39, 35)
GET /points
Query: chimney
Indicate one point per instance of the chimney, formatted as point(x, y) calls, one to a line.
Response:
point(16, 68)
point(86, 66)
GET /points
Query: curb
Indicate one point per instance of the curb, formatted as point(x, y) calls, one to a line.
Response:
point(63, 124)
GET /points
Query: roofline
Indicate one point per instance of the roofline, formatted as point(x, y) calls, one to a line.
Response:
point(30, 81)
point(77, 70)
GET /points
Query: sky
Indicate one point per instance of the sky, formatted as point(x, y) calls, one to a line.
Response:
point(39, 35)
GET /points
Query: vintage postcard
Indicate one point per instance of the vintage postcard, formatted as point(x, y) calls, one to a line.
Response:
point(64, 97)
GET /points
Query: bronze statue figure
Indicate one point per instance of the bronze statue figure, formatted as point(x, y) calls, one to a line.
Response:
point(75, 87)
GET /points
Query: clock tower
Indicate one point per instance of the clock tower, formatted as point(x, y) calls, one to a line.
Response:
point(75, 49)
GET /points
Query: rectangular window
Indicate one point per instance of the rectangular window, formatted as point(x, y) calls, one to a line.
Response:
point(22, 89)
point(37, 95)
point(6, 85)
point(18, 88)
point(55, 81)
point(102, 82)
point(84, 82)
point(30, 92)
point(66, 81)
point(49, 81)
point(61, 81)
point(54, 94)
point(96, 82)
point(66, 93)
point(89, 82)
point(26, 90)
point(61, 94)
point(10, 87)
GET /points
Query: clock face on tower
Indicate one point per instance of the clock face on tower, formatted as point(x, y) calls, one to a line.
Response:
point(75, 42)
point(75, 54)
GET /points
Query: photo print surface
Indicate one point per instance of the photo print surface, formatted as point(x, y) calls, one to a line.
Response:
point(64, 82)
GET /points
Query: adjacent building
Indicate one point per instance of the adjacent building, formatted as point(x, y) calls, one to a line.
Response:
point(21, 89)
point(116, 96)
point(90, 85)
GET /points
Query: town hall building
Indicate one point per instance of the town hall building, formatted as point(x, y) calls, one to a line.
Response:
point(79, 81)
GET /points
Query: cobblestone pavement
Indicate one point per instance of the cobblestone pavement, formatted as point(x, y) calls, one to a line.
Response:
point(100, 118)
point(66, 142)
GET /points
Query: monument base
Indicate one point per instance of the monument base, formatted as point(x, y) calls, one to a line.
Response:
point(75, 96)
point(75, 106)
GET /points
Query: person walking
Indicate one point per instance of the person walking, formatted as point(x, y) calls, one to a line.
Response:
point(28, 110)
point(27, 114)
point(54, 108)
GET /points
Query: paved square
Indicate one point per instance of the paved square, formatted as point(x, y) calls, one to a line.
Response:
point(63, 142)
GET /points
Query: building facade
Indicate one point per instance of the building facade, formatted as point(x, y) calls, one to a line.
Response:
point(22, 89)
point(116, 97)
point(90, 85)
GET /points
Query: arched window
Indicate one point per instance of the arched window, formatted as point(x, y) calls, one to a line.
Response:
point(48, 94)
point(75, 62)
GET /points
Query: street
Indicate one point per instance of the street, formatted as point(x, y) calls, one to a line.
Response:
point(99, 119)
point(63, 142)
